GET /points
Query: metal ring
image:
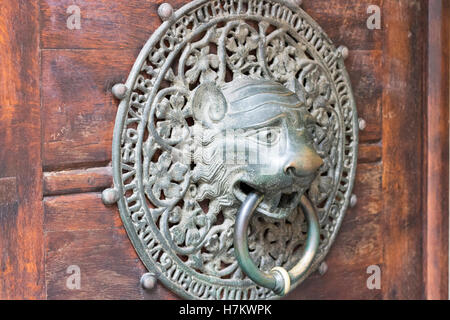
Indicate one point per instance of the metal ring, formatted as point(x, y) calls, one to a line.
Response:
point(286, 279)
point(276, 280)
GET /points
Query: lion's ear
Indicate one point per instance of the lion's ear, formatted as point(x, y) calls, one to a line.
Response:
point(294, 86)
point(209, 104)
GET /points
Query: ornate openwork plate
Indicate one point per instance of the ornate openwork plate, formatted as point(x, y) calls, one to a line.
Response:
point(179, 214)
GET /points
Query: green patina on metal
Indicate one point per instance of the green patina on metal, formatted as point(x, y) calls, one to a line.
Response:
point(235, 112)
point(278, 279)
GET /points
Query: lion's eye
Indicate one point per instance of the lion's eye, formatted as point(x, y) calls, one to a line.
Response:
point(267, 136)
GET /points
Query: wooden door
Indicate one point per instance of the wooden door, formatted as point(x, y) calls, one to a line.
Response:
point(56, 124)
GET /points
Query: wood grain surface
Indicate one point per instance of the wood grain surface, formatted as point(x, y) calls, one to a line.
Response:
point(56, 124)
point(436, 151)
point(403, 133)
point(21, 213)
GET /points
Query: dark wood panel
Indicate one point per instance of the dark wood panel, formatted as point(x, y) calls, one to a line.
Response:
point(368, 153)
point(79, 110)
point(21, 214)
point(109, 267)
point(358, 246)
point(348, 260)
point(104, 23)
point(368, 191)
point(8, 190)
point(79, 212)
point(345, 22)
point(77, 181)
point(403, 134)
point(436, 150)
point(366, 74)
point(81, 231)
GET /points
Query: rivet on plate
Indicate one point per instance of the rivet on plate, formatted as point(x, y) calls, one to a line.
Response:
point(110, 196)
point(165, 11)
point(323, 268)
point(353, 201)
point(119, 91)
point(298, 2)
point(344, 52)
point(362, 124)
point(148, 281)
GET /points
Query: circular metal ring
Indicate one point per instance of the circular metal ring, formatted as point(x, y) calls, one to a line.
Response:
point(277, 279)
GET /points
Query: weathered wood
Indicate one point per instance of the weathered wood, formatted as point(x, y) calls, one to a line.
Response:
point(81, 231)
point(436, 151)
point(21, 214)
point(105, 24)
point(366, 75)
point(127, 24)
point(368, 153)
point(345, 22)
point(79, 107)
point(77, 181)
point(358, 246)
point(109, 267)
point(8, 190)
point(368, 191)
point(403, 135)
point(79, 212)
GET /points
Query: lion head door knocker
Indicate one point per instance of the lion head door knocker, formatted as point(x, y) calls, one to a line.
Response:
point(235, 147)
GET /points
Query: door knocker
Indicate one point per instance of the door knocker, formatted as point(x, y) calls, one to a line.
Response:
point(234, 149)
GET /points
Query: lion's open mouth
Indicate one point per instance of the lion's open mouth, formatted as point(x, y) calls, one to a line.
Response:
point(278, 204)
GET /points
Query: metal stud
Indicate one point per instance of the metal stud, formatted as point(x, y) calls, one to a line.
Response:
point(120, 91)
point(362, 124)
point(298, 2)
point(110, 196)
point(353, 201)
point(323, 268)
point(344, 52)
point(148, 281)
point(165, 11)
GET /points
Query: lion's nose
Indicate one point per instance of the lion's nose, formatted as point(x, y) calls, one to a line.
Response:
point(304, 163)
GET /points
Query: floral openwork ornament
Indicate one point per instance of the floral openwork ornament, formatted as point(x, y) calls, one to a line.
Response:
point(235, 147)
